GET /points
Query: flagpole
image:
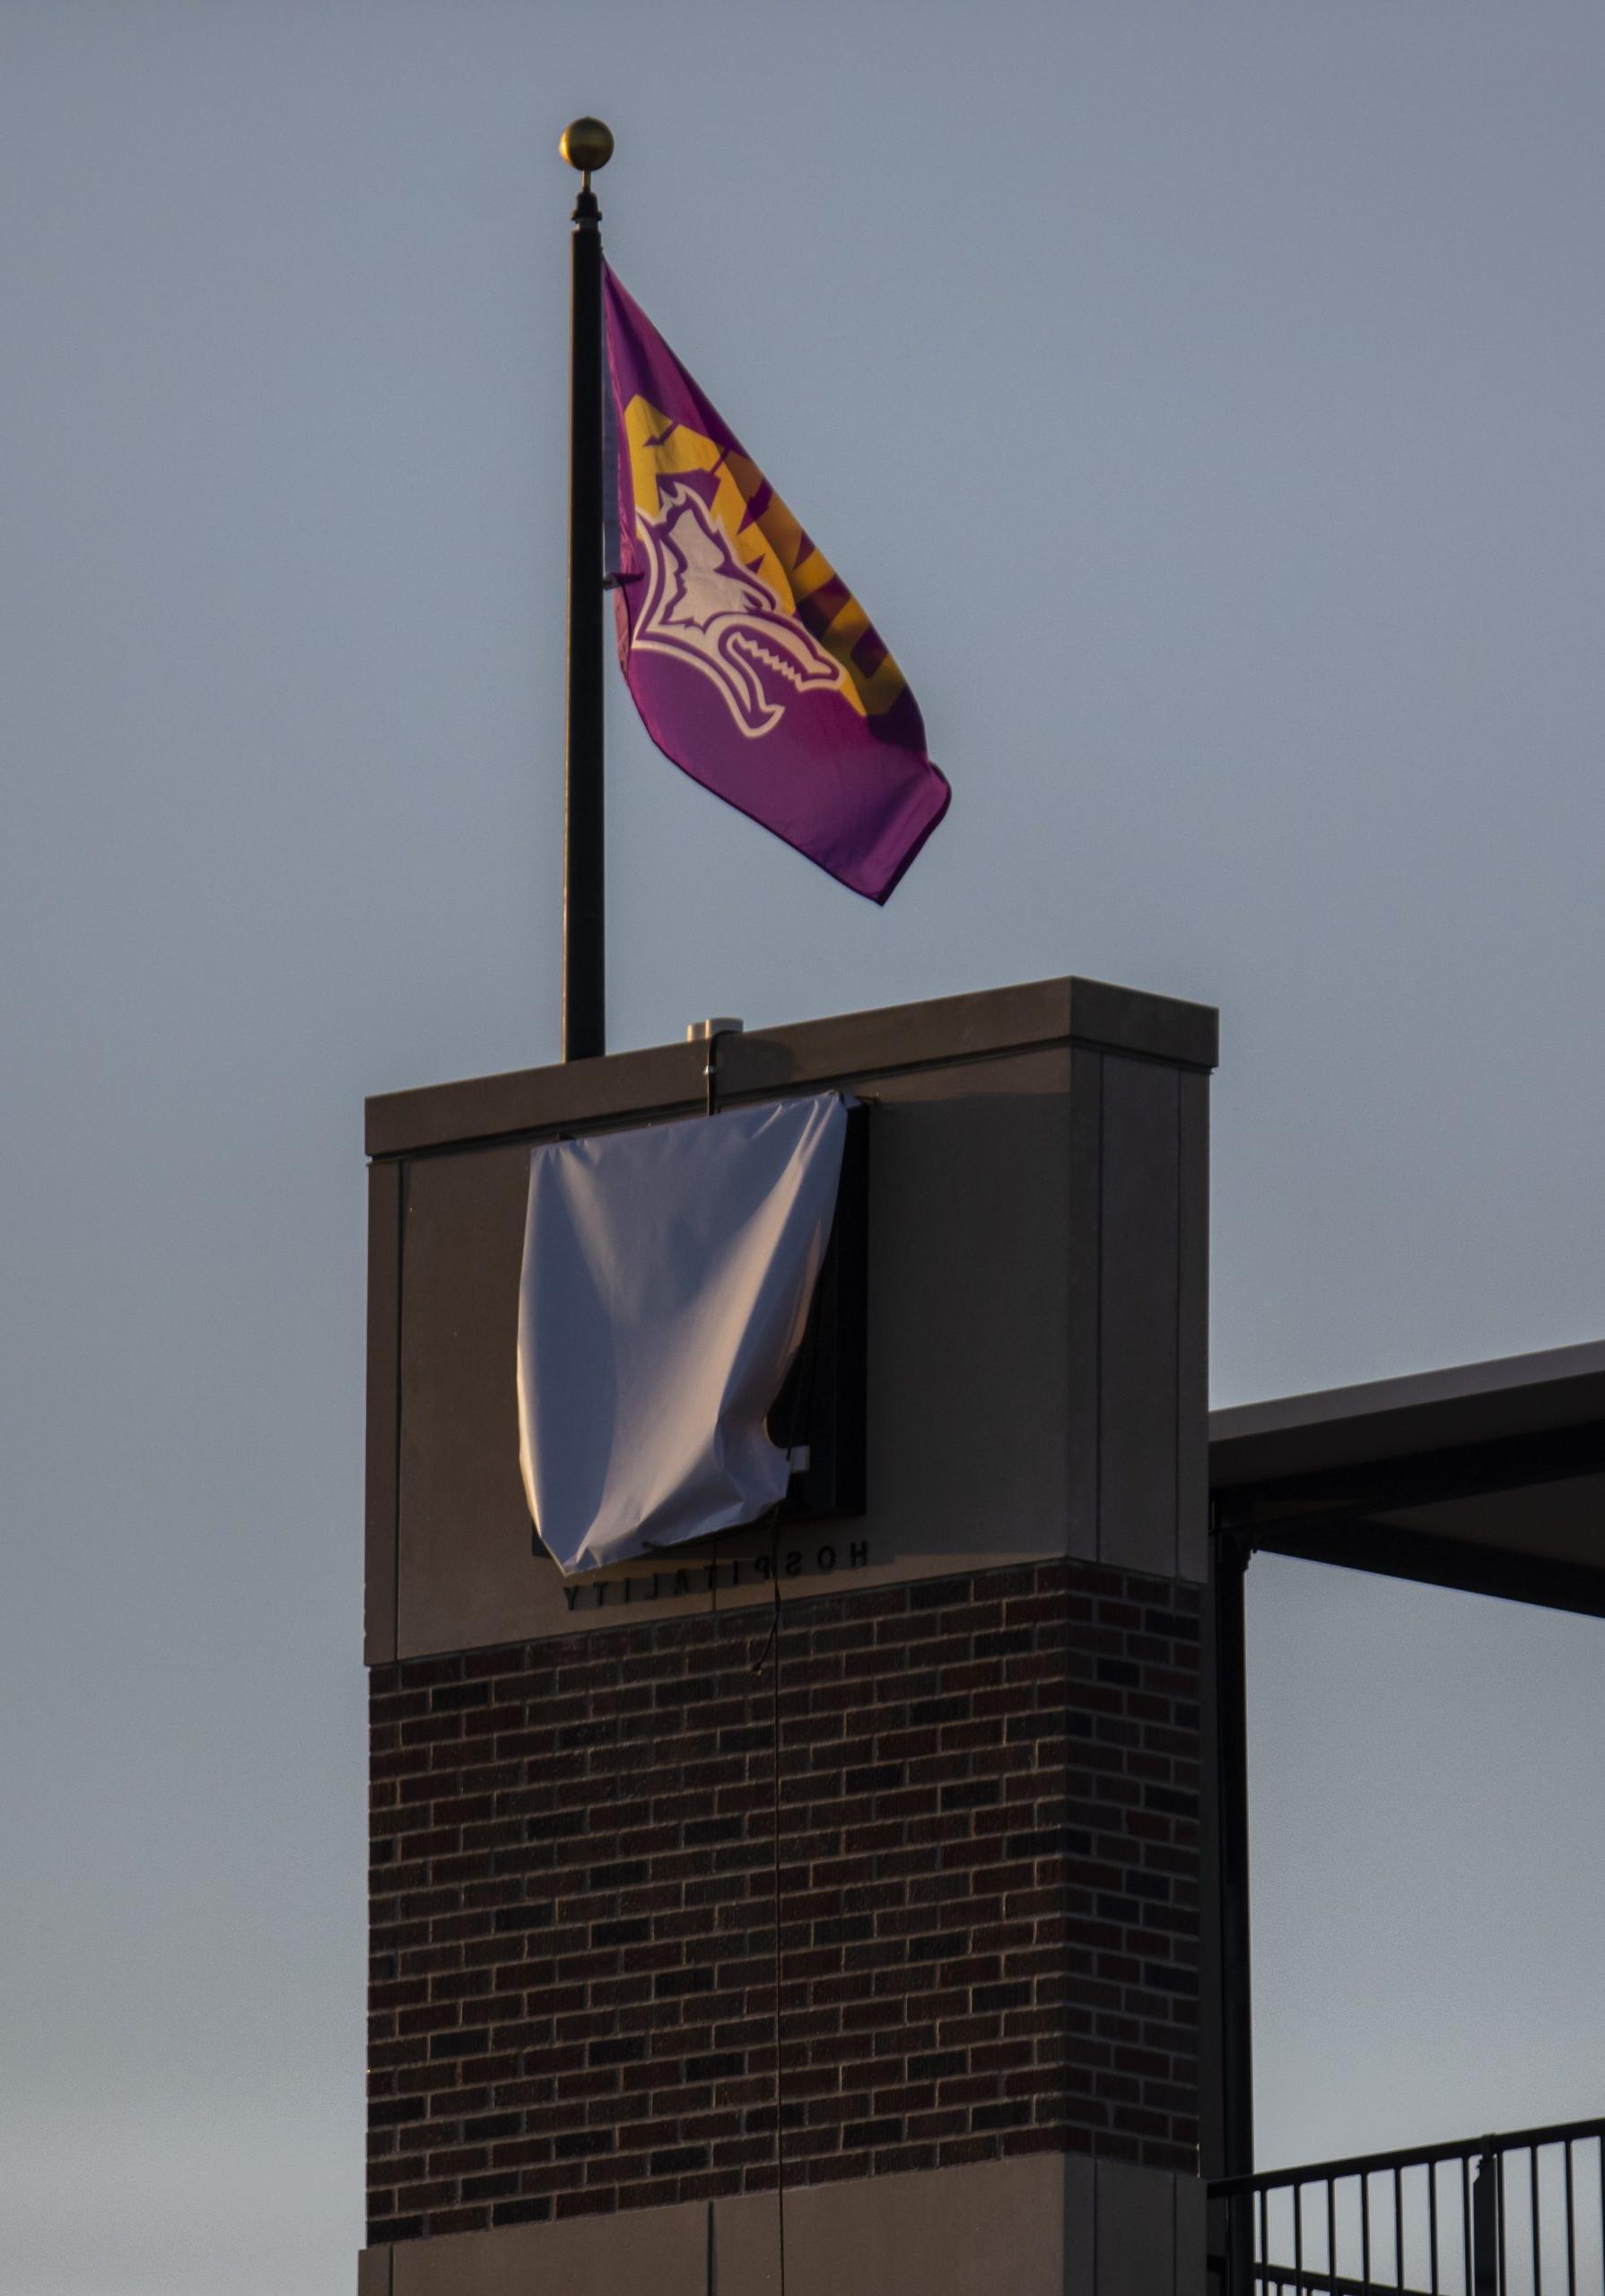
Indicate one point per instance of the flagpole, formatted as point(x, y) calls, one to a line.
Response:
point(586, 144)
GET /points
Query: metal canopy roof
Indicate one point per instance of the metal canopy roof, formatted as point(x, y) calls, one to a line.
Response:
point(1487, 1476)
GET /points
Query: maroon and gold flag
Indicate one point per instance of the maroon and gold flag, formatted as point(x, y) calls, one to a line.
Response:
point(752, 663)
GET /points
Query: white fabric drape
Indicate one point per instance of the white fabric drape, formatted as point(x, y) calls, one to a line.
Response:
point(667, 1276)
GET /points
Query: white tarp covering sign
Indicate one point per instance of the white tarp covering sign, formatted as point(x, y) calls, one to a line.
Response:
point(667, 1277)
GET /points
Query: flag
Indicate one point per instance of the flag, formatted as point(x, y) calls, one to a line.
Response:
point(752, 663)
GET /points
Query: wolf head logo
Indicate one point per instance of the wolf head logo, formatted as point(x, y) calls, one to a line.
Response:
point(705, 607)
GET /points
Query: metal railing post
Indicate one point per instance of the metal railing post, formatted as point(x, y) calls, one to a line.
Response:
point(1239, 2245)
point(1485, 2229)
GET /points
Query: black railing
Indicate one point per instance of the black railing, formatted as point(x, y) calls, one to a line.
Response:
point(1517, 2215)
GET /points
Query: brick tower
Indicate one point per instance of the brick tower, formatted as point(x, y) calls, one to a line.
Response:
point(860, 1855)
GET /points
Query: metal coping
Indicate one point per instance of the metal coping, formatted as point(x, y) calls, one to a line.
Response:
point(663, 1080)
point(1394, 1419)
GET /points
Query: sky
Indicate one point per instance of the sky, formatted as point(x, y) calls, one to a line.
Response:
point(1204, 401)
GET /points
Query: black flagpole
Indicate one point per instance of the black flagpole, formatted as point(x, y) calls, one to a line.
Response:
point(586, 144)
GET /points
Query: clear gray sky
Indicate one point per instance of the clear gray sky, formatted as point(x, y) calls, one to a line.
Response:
point(1205, 401)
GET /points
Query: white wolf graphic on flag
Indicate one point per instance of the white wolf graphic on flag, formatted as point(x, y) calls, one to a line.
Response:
point(701, 604)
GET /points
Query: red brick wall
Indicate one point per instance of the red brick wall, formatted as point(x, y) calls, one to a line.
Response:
point(989, 1883)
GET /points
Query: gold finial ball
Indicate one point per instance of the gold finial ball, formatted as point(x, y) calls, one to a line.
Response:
point(587, 143)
